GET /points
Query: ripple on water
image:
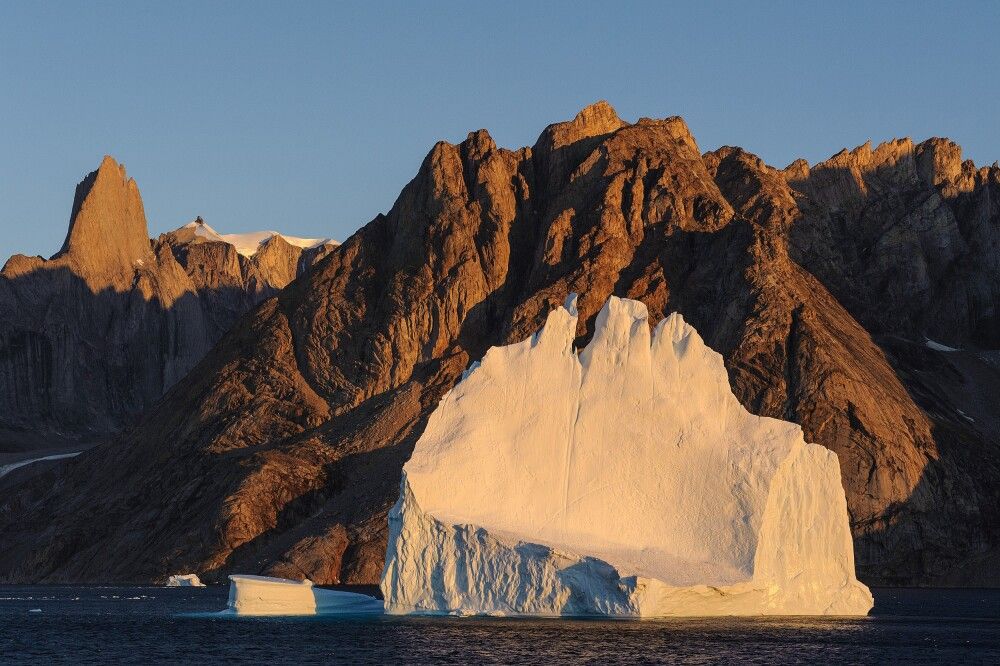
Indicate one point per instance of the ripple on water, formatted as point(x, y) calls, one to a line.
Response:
point(182, 625)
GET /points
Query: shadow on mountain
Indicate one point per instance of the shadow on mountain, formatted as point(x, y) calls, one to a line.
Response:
point(333, 532)
point(954, 502)
point(280, 452)
point(903, 256)
point(77, 367)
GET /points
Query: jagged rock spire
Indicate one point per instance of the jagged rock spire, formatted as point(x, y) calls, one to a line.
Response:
point(108, 236)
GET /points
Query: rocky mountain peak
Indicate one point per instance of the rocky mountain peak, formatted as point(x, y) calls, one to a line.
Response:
point(939, 161)
point(277, 260)
point(282, 453)
point(797, 170)
point(19, 265)
point(107, 236)
point(562, 146)
point(597, 119)
point(600, 116)
point(865, 159)
point(478, 144)
point(851, 177)
point(675, 126)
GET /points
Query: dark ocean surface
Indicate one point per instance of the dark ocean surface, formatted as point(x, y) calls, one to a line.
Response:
point(101, 625)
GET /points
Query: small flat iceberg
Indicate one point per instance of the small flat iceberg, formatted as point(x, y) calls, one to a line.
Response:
point(265, 596)
point(184, 580)
point(625, 480)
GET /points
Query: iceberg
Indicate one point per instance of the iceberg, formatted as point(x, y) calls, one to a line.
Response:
point(625, 480)
point(184, 580)
point(262, 595)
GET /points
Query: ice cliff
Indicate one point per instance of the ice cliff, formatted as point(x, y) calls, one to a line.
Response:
point(626, 480)
point(263, 595)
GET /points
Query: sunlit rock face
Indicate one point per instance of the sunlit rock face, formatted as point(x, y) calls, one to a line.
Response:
point(625, 480)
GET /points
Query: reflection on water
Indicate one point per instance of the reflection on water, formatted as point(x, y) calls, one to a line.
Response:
point(91, 625)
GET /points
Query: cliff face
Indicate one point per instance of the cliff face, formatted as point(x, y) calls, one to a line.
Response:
point(281, 452)
point(93, 336)
point(905, 236)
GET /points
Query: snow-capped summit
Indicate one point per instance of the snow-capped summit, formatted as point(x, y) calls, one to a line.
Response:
point(626, 480)
point(200, 229)
point(247, 243)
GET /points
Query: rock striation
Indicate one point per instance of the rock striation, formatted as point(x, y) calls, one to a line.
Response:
point(93, 336)
point(282, 453)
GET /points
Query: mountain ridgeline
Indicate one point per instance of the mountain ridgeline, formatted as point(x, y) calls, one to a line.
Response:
point(821, 286)
point(96, 334)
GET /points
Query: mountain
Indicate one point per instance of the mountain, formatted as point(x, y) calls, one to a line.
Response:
point(247, 244)
point(281, 453)
point(96, 334)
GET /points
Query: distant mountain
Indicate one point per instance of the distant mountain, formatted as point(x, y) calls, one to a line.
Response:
point(820, 285)
point(96, 334)
point(247, 244)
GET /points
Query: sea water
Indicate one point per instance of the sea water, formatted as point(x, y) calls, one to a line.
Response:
point(101, 625)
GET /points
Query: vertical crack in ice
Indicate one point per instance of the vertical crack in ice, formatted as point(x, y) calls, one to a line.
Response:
point(577, 389)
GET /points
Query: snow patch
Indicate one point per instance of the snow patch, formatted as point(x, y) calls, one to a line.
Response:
point(7, 469)
point(203, 230)
point(966, 416)
point(250, 242)
point(626, 480)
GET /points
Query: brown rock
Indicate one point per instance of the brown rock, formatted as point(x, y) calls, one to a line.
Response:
point(107, 236)
point(282, 451)
point(95, 335)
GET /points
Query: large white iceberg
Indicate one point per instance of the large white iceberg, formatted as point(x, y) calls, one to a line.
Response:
point(263, 595)
point(626, 480)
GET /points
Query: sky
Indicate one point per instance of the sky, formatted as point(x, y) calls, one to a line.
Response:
point(308, 118)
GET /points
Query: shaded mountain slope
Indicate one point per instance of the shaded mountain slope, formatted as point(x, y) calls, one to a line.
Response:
point(281, 451)
point(96, 334)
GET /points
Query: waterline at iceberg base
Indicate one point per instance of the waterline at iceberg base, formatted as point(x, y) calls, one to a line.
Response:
point(626, 480)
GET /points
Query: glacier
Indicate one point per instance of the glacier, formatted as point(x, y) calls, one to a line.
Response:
point(625, 480)
point(247, 244)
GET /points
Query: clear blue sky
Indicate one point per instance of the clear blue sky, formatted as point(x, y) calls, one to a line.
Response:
point(309, 118)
